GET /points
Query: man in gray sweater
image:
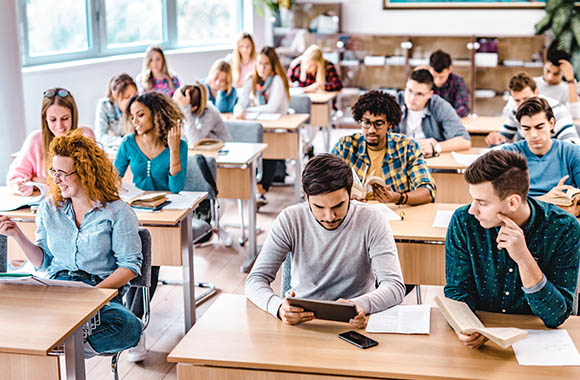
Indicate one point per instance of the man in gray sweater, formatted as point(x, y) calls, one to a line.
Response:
point(340, 250)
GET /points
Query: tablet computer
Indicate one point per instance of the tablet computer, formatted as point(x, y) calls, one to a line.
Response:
point(329, 310)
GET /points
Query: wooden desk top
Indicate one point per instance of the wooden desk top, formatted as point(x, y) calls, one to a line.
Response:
point(445, 161)
point(36, 319)
point(290, 121)
point(321, 97)
point(418, 222)
point(482, 124)
point(238, 153)
point(235, 333)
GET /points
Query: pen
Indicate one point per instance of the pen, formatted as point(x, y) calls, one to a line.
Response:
point(402, 215)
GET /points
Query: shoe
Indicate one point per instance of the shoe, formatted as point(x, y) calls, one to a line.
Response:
point(139, 352)
point(261, 201)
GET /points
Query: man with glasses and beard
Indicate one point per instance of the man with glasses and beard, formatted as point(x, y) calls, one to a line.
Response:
point(380, 152)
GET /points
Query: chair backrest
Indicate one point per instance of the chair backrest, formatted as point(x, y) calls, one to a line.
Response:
point(3, 253)
point(245, 131)
point(194, 179)
point(301, 104)
point(144, 280)
point(286, 275)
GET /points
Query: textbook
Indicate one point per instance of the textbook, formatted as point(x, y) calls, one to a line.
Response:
point(208, 144)
point(570, 197)
point(10, 201)
point(135, 197)
point(362, 191)
point(464, 321)
point(30, 279)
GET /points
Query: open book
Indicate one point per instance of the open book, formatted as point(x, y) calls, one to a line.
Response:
point(138, 198)
point(208, 144)
point(364, 190)
point(464, 321)
point(10, 201)
point(570, 197)
point(30, 279)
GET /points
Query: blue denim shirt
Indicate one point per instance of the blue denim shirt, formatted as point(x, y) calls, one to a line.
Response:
point(440, 120)
point(107, 239)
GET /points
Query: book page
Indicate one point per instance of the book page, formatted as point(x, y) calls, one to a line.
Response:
point(547, 348)
point(442, 218)
point(10, 201)
point(128, 192)
point(401, 319)
point(182, 201)
point(458, 314)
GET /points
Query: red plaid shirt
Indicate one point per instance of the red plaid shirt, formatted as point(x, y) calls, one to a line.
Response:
point(455, 92)
point(333, 82)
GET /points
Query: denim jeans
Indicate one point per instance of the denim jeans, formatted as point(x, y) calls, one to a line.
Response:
point(119, 328)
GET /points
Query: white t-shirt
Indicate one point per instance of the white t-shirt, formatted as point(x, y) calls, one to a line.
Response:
point(414, 119)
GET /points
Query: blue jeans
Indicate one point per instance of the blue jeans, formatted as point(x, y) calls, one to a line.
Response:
point(119, 328)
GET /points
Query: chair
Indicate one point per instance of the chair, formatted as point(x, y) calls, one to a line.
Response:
point(286, 275)
point(3, 253)
point(248, 132)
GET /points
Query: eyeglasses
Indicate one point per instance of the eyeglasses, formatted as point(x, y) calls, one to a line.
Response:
point(56, 91)
point(416, 94)
point(59, 174)
point(378, 124)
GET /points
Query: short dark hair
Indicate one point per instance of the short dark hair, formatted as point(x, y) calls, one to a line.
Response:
point(554, 55)
point(520, 81)
point(439, 61)
point(378, 103)
point(422, 76)
point(533, 106)
point(326, 173)
point(507, 171)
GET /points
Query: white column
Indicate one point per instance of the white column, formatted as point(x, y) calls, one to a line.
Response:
point(12, 125)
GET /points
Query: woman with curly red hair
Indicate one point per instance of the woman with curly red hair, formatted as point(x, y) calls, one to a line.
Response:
point(86, 233)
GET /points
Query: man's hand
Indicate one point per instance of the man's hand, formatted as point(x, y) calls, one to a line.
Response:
point(360, 320)
point(566, 69)
point(559, 191)
point(474, 340)
point(293, 315)
point(426, 146)
point(512, 238)
point(385, 194)
point(495, 138)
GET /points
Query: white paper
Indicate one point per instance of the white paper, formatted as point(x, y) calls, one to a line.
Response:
point(296, 91)
point(464, 159)
point(442, 218)
point(129, 192)
point(181, 201)
point(268, 116)
point(401, 319)
point(547, 348)
point(38, 281)
point(10, 201)
point(387, 211)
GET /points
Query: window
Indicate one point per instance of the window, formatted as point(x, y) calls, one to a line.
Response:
point(64, 30)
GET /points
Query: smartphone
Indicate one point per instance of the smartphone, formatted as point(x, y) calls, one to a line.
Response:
point(223, 152)
point(357, 339)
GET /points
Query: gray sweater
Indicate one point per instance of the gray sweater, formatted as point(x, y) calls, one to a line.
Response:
point(327, 265)
point(209, 125)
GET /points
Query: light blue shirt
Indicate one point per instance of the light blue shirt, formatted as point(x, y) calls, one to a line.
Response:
point(107, 239)
point(562, 159)
point(151, 175)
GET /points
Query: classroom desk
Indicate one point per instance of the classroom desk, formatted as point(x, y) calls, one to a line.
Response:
point(236, 179)
point(480, 126)
point(448, 176)
point(321, 112)
point(283, 139)
point(36, 319)
point(171, 244)
point(236, 340)
point(421, 246)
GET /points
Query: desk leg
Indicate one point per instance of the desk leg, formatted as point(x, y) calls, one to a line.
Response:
point(298, 178)
point(187, 265)
point(74, 356)
point(252, 252)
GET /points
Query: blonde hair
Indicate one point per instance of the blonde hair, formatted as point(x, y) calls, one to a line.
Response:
point(198, 95)
point(313, 54)
point(222, 66)
point(237, 57)
point(277, 68)
point(147, 75)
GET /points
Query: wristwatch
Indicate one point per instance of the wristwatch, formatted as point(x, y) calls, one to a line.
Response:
point(436, 149)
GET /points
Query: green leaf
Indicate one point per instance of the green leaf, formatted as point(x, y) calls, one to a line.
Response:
point(575, 27)
point(561, 18)
point(565, 41)
point(575, 60)
point(543, 25)
point(551, 5)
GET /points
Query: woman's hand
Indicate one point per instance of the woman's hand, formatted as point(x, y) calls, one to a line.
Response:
point(23, 189)
point(8, 227)
point(180, 99)
point(174, 138)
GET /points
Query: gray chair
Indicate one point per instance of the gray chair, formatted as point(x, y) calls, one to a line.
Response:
point(3, 253)
point(301, 104)
point(286, 275)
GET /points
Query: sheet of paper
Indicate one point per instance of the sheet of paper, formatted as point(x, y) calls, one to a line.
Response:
point(183, 200)
point(10, 201)
point(296, 91)
point(547, 348)
point(268, 116)
point(387, 211)
point(442, 218)
point(401, 319)
point(464, 159)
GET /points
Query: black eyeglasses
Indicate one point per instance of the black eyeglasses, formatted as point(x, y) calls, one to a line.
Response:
point(378, 124)
point(56, 91)
point(59, 174)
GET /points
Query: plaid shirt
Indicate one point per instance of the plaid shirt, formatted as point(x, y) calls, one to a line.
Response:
point(333, 82)
point(404, 168)
point(455, 92)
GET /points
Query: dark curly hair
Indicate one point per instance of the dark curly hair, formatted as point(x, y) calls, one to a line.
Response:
point(164, 112)
point(378, 103)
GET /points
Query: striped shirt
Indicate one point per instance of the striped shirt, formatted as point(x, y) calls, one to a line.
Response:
point(564, 128)
point(404, 167)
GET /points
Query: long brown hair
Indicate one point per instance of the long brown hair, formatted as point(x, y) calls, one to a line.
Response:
point(198, 95)
point(95, 171)
point(277, 68)
point(237, 57)
point(64, 101)
point(147, 75)
point(118, 84)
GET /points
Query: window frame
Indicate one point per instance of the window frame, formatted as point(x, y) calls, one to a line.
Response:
point(97, 34)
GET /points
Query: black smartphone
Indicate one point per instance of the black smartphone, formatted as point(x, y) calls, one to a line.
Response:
point(358, 339)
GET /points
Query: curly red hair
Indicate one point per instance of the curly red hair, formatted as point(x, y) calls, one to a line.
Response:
point(95, 171)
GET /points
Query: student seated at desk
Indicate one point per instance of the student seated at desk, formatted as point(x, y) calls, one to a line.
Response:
point(158, 160)
point(522, 87)
point(59, 116)
point(379, 152)
point(109, 115)
point(507, 252)
point(340, 249)
point(219, 82)
point(556, 68)
point(314, 73)
point(155, 75)
point(202, 119)
point(84, 232)
point(448, 85)
point(242, 59)
point(554, 165)
point(428, 118)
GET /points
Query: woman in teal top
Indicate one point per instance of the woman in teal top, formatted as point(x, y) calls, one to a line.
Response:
point(158, 160)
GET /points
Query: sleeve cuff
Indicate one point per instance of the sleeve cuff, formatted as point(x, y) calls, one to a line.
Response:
point(273, 305)
point(536, 288)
